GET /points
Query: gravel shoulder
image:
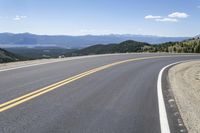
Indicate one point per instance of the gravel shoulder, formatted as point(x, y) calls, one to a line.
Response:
point(184, 79)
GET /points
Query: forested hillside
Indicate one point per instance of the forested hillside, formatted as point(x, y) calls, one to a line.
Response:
point(6, 56)
point(187, 46)
point(124, 47)
point(39, 52)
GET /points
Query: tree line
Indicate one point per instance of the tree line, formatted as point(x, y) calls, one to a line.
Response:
point(189, 46)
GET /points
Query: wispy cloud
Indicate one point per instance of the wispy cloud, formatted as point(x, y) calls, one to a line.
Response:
point(198, 6)
point(178, 15)
point(167, 20)
point(173, 17)
point(18, 18)
point(152, 17)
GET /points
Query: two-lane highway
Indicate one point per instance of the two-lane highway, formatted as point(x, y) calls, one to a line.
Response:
point(102, 94)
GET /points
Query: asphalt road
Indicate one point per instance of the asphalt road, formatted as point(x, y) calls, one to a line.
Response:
point(119, 99)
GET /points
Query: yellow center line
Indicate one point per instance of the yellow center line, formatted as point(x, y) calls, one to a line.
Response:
point(12, 103)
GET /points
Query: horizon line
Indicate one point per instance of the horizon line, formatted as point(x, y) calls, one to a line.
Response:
point(109, 34)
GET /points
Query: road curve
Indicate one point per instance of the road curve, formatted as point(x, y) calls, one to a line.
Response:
point(121, 98)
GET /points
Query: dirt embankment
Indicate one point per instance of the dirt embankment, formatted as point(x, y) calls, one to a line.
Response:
point(184, 79)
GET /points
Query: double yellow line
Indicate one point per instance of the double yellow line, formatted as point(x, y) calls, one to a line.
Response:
point(12, 103)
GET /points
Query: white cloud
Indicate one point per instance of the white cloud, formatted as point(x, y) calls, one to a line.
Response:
point(152, 17)
point(173, 17)
point(178, 15)
point(17, 17)
point(167, 20)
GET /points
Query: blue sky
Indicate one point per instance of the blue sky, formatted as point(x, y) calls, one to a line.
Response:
point(80, 17)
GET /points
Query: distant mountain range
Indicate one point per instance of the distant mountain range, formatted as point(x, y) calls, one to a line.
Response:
point(27, 39)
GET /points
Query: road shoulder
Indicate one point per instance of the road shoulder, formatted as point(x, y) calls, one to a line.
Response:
point(184, 81)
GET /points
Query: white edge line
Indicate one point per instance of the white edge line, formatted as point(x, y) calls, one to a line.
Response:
point(164, 124)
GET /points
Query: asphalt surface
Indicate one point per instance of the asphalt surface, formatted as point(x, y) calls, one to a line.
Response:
point(120, 99)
